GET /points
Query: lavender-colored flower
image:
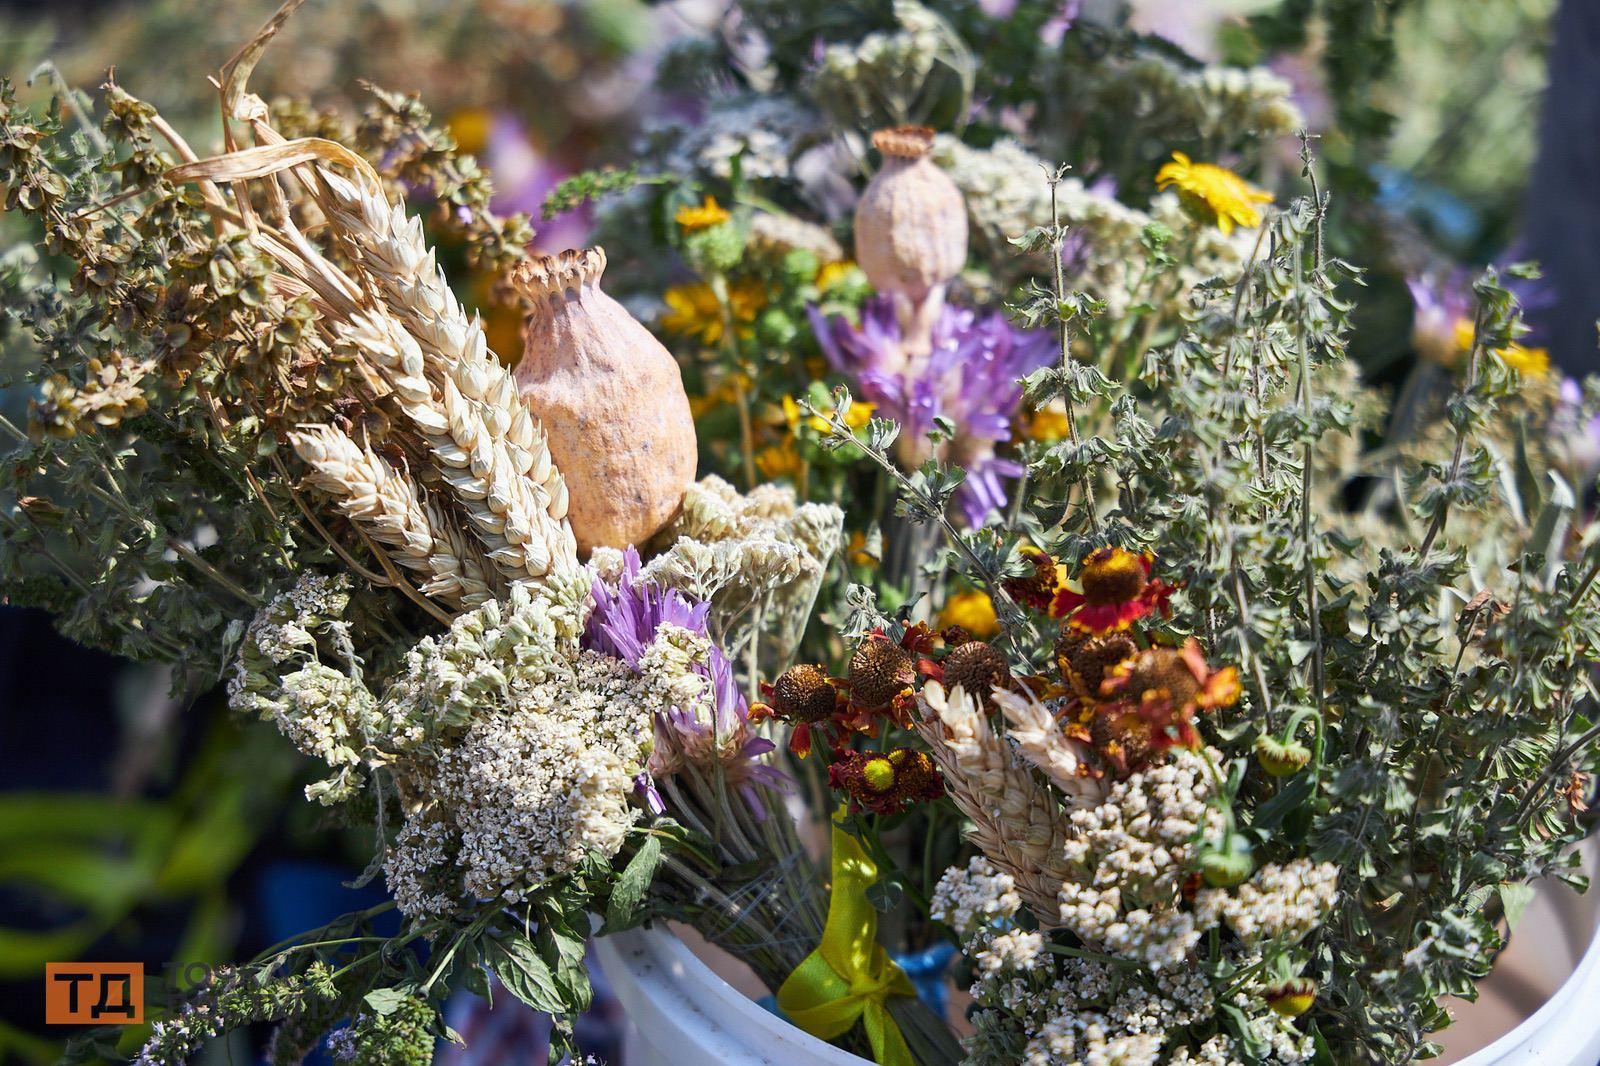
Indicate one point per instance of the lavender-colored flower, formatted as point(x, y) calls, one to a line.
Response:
point(1442, 306)
point(1057, 25)
point(971, 377)
point(626, 617)
point(624, 624)
point(1576, 437)
point(524, 176)
point(644, 791)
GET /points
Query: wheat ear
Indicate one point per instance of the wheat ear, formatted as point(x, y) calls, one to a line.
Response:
point(508, 511)
point(1039, 739)
point(1015, 820)
point(388, 505)
point(395, 253)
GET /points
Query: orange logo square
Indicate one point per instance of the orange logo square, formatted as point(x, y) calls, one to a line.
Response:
point(93, 993)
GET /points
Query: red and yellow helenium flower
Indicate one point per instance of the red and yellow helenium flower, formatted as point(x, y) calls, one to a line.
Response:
point(886, 782)
point(1163, 689)
point(1117, 591)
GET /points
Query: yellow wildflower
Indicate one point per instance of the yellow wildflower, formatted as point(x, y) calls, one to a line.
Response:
point(1529, 362)
point(470, 127)
point(692, 310)
point(831, 274)
point(1213, 192)
point(1048, 425)
point(858, 416)
point(708, 214)
point(726, 392)
point(858, 553)
point(779, 460)
point(971, 610)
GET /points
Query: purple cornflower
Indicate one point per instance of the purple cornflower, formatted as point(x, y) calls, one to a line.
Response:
point(626, 617)
point(624, 624)
point(971, 377)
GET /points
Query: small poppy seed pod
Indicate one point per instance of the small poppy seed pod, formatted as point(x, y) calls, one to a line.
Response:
point(911, 231)
point(610, 398)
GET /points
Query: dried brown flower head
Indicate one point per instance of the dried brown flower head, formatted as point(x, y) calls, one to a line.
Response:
point(804, 693)
point(879, 671)
point(979, 669)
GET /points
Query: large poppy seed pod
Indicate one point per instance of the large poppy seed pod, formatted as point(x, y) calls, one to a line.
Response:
point(911, 231)
point(611, 400)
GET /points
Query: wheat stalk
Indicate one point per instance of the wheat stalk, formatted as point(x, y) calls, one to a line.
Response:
point(1015, 820)
point(388, 505)
point(1039, 739)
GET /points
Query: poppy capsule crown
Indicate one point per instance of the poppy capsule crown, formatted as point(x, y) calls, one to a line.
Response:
point(911, 231)
point(610, 398)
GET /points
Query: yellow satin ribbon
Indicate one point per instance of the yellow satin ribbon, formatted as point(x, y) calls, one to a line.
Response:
point(849, 976)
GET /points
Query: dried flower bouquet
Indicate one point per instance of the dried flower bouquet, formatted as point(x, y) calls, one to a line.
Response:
point(1113, 656)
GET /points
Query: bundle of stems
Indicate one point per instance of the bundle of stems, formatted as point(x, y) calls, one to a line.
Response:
point(761, 897)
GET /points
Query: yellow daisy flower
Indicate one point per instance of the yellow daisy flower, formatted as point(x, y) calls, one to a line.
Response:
point(1048, 425)
point(708, 214)
point(725, 393)
point(692, 310)
point(972, 611)
point(779, 460)
point(470, 127)
point(1529, 362)
point(1215, 193)
point(857, 551)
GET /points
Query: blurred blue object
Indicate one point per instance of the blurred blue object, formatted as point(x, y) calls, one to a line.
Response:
point(928, 970)
point(1451, 220)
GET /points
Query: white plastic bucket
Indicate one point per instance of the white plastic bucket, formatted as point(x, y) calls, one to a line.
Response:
point(1541, 1005)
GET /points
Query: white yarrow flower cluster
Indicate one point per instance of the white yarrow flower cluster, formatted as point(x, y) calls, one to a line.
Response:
point(974, 899)
point(535, 787)
point(1279, 901)
point(1133, 853)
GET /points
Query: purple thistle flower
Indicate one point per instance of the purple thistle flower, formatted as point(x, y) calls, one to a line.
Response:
point(623, 624)
point(971, 377)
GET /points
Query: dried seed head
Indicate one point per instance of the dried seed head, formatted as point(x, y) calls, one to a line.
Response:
point(886, 783)
point(911, 221)
point(611, 400)
point(1084, 659)
point(803, 693)
point(879, 671)
point(1122, 740)
point(1281, 758)
point(1160, 673)
point(979, 669)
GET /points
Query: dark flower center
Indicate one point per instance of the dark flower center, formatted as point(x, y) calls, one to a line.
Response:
point(1111, 576)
